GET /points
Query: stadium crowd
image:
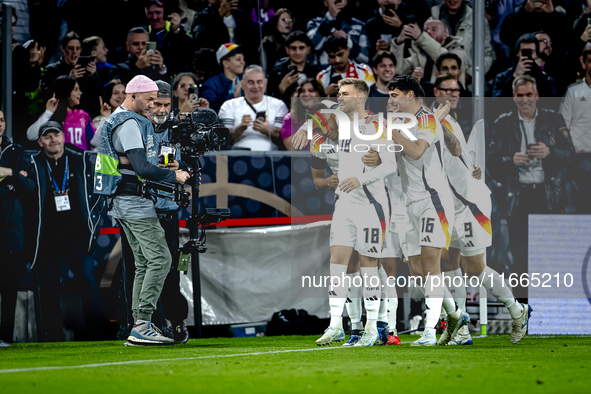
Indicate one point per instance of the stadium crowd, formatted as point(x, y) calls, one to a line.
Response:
point(259, 64)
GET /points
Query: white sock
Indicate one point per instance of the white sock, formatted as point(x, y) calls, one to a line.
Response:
point(337, 294)
point(450, 306)
point(392, 308)
point(383, 309)
point(140, 321)
point(457, 292)
point(433, 300)
point(493, 283)
point(354, 303)
point(371, 295)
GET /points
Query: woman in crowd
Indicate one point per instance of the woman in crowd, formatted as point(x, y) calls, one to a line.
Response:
point(113, 97)
point(274, 42)
point(78, 128)
point(186, 102)
point(308, 93)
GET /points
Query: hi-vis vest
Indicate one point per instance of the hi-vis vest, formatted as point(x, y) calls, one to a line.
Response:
point(107, 174)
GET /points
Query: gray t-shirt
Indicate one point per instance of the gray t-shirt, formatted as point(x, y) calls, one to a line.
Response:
point(126, 137)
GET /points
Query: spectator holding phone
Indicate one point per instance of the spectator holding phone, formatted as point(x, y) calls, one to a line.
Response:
point(293, 70)
point(530, 153)
point(388, 19)
point(62, 108)
point(186, 92)
point(425, 47)
point(341, 66)
point(141, 60)
point(254, 120)
point(338, 22)
point(164, 28)
point(527, 51)
point(83, 69)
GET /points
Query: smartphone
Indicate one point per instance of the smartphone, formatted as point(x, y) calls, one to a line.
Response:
point(194, 93)
point(389, 9)
point(151, 46)
point(528, 53)
point(588, 21)
point(84, 60)
point(335, 78)
point(410, 19)
point(261, 115)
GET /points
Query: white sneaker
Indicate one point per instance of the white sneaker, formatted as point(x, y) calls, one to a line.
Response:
point(519, 328)
point(331, 334)
point(463, 337)
point(455, 321)
point(427, 339)
point(4, 344)
point(369, 338)
point(147, 334)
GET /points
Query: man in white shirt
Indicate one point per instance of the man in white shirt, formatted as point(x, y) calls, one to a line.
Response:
point(256, 118)
point(576, 110)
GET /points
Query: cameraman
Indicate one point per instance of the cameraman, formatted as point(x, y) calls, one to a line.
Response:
point(121, 161)
point(173, 303)
point(527, 51)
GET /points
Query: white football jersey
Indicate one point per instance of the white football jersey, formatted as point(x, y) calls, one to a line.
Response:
point(420, 178)
point(326, 149)
point(351, 152)
point(459, 170)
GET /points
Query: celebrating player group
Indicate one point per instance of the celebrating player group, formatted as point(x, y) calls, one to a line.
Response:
point(412, 195)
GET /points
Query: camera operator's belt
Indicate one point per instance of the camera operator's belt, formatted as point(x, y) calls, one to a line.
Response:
point(129, 186)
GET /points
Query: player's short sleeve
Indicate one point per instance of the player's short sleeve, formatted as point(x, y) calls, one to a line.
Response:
point(279, 115)
point(128, 136)
point(226, 114)
point(427, 128)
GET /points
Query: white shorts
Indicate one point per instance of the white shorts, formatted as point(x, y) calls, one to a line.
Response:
point(429, 223)
point(472, 232)
point(396, 234)
point(362, 227)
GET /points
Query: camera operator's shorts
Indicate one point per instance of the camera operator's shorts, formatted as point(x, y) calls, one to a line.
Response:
point(472, 232)
point(362, 227)
point(429, 223)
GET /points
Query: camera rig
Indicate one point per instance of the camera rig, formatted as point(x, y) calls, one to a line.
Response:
point(197, 133)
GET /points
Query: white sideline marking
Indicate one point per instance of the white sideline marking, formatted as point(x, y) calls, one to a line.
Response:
point(162, 359)
point(131, 362)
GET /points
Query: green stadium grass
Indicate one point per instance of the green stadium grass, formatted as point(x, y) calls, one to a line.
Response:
point(559, 364)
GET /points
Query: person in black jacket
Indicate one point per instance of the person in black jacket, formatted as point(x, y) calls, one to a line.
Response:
point(224, 21)
point(13, 170)
point(530, 153)
point(291, 71)
point(66, 224)
point(172, 39)
point(140, 60)
point(87, 76)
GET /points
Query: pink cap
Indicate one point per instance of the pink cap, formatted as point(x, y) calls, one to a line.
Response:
point(141, 84)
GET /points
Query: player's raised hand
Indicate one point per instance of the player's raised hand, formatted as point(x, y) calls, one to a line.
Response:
point(371, 158)
point(442, 111)
point(332, 181)
point(477, 173)
point(349, 184)
point(300, 139)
